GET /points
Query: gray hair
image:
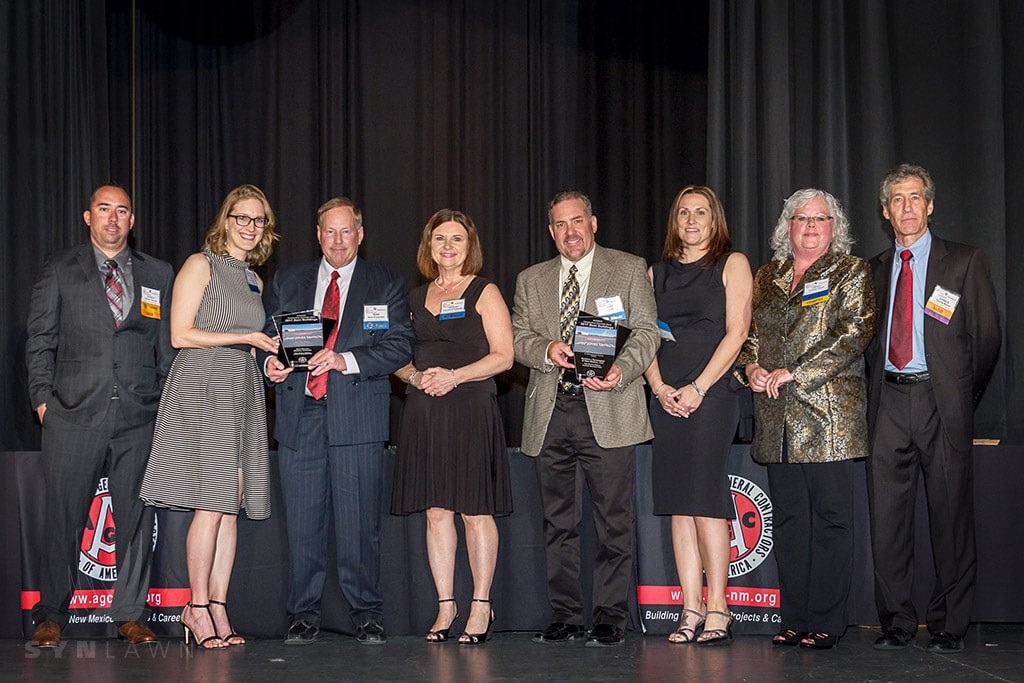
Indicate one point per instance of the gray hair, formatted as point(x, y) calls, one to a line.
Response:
point(901, 173)
point(841, 242)
point(566, 195)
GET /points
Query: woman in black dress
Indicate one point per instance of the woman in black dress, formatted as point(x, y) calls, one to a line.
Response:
point(452, 456)
point(703, 292)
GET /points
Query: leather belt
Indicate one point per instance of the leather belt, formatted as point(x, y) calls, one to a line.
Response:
point(570, 389)
point(906, 377)
point(246, 348)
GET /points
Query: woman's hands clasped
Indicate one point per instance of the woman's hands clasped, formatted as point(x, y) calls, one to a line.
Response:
point(679, 402)
point(436, 381)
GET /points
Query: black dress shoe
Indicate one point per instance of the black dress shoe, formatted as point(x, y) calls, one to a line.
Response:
point(301, 633)
point(893, 639)
point(559, 632)
point(605, 635)
point(946, 643)
point(371, 633)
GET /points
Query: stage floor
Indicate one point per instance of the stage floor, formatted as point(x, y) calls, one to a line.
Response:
point(994, 652)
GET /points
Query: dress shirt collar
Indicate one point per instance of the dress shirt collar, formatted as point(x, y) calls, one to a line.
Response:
point(323, 279)
point(583, 268)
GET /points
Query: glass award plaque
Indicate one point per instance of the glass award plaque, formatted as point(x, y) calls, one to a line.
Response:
point(302, 335)
point(595, 344)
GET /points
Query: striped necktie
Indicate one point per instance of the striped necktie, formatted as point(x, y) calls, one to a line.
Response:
point(113, 285)
point(569, 310)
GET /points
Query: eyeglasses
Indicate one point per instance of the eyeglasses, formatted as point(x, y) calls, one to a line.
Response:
point(804, 220)
point(242, 220)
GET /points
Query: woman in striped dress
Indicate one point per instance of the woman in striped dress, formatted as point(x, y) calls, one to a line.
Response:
point(210, 443)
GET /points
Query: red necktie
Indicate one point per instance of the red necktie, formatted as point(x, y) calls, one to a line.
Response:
point(318, 385)
point(901, 334)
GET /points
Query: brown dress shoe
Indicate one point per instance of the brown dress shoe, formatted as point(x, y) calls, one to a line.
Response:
point(47, 634)
point(135, 632)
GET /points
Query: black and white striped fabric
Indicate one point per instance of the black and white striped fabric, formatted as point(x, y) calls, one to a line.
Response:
point(212, 419)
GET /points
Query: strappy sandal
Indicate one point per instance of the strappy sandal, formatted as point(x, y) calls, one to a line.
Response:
point(717, 636)
point(478, 638)
point(190, 631)
point(788, 637)
point(686, 632)
point(441, 634)
point(232, 638)
point(819, 641)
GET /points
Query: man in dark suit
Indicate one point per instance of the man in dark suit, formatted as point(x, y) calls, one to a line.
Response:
point(930, 362)
point(331, 446)
point(97, 355)
point(588, 424)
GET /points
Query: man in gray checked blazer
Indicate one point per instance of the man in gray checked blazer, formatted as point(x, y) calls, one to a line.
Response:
point(95, 382)
point(592, 424)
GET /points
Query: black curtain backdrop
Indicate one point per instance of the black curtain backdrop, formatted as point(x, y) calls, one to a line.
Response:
point(405, 106)
point(804, 93)
point(409, 106)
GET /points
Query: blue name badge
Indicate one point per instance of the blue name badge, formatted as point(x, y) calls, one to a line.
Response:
point(455, 308)
point(610, 307)
point(254, 284)
point(375, 317)
point(815, 292)
point(665, 331)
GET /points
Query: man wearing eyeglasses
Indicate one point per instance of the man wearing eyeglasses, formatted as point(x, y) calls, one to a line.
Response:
point(934, 350)
point(332, 421)
point(98, 351)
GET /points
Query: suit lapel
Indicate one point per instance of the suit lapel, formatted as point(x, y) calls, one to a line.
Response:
point(353, 314)
point(883, 285)
point(600, 279)
point(548, 285)
point(94, 282)
point(936, 273)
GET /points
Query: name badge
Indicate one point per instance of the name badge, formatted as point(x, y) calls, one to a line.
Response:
point(815, 292)
point(610, 308)
point(375, 317)
point(941, 304)
point(666, 333)
point(454, 308)
point(254, 284)
point(149, 306)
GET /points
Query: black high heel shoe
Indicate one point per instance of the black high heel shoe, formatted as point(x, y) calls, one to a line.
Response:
point(441, 634)
point(227, 639)
point(819, 641)
point(190, 630)
point(478, 638)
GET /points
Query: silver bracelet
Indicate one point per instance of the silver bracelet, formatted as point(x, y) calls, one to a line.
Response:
point(412, 377)
point(699, 391)
point(454, 381)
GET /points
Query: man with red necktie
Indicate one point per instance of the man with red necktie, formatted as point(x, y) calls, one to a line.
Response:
point(332, 422)
point(930, 362)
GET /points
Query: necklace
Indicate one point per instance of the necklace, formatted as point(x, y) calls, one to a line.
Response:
point(448, 289)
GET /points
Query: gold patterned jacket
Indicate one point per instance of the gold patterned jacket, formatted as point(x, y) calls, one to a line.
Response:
point(823, 412)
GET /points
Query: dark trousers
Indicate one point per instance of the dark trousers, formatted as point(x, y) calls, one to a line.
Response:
point(610, 473)
point(74, 458)
point(316, 480)
point(813, 531)
point(909, 439)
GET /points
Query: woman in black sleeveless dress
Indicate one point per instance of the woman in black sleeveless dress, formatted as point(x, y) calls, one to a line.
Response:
point(452, 457)
point(703, 293)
